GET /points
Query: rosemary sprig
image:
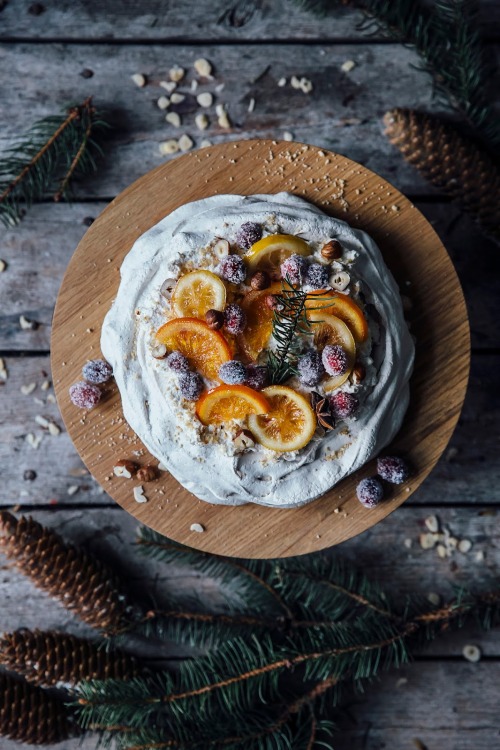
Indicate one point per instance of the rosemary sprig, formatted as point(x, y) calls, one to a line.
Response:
point(289, 322)
point(49, 157)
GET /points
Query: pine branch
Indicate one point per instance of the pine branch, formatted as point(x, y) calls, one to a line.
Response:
point(56, 149)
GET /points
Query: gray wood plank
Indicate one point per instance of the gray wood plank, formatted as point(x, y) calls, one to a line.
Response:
point(38, 251)
point(250, 20)
point(342, 113)
point(381, 552)
point(468, 472)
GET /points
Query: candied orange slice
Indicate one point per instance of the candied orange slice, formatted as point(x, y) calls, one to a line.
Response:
point(343, 307)
point(259, 323)
point(227, 402)
point(328, 329)
point(288, 425)
point(196, 292)
point(205, 349)
point(270, 251)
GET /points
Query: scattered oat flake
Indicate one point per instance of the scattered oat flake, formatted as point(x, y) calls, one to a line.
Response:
point(176, 74)
point(3, 266)
point(432, 524)
point(471, 653)
point(205, 99)
point(185, 142)
point(174, 119)
point(42, 421)
point(139, 495)
point(464, 545)
point(139, 79)
point(282, 82)
point(287, 136)
point(169, 86)
point(54, 429)
point(347, 66)
point(434, 598)
point(168, 147)
point(197, 527)
point(201, 121)
point(203, 67)
point(72, 489)
point(27, 389)
point(163, 102)
point(251, 105)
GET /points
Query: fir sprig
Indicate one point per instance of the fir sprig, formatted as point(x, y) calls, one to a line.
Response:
point(290, 320)
point(48, 158)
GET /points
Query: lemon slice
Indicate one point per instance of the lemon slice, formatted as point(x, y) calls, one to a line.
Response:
point(290, 423)
point(328, 329)
point(228, 402)
point(196, 292)
point(270, 251)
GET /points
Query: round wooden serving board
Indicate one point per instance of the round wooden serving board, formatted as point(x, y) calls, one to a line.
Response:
point(411, 249)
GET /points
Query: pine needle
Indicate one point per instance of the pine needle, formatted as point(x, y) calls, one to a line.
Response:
point(48, 158)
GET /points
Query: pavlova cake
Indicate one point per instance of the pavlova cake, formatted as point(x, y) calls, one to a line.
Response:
point(259, 347)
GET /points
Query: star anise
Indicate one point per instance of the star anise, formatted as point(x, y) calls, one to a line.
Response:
point(324, 414)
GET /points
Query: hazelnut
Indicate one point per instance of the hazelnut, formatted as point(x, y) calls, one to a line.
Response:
point(159, 351)
point(167, 288)
point(332, 250)
point(125, 468)
point(340, 280)
point(221, 248)
point(147, 474)
point(260, 280)
point(358, 373)
point(243, 440)
point(215, 319)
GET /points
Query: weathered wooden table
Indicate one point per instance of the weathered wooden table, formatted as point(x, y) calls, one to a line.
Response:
point(65, 53)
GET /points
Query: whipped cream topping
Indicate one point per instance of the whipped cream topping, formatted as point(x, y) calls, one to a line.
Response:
point(203, 459)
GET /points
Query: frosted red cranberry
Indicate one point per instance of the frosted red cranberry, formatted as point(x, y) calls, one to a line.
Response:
point(233, 372)
point(257, 377)
point(317, 276)
point(232, 268)
point(177, 362)
point(97, 371)
point(393, 469)
point(248, 233)
point(84, 395)
point(293, 268)
point(310, 368)
point(370, 492)
point(234, 318)
point(190, 385)
point(334, 359)
point(343, 404)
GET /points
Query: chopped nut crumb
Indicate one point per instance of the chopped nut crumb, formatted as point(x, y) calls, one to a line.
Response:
point(205, 99)
point(282, 82)
point(27, 389)
point(347, 66)
point(205, 143)
point(139, 79)
point(287, 136)
point(3, 266)
point(174, 119)
point(177, 98)
point(72, 489)
point(197, 527)
point(185, 143)
point(163, 102)
point(472, 653)
point(464, 545)
point(139, 495)
point(201, 121)
point(3, 370)
point(168, 147)
point(169, 86)
point(176, 73)
point(45, 385)
point(34, 440)
point(432, 524)
point(251, 105)
point(203, 67)
point(26, 324)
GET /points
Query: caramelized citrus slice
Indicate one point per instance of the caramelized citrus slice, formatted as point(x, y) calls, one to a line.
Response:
point(328, 329)
point(227, 402)
point(343, 307)
point(270, 251)
point(205, 349)
point(288, 425)
point(197, 292)
point(259, 323)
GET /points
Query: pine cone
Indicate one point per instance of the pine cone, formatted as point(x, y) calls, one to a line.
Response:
point(29, 714)
point(47, 659)
point(450, 161)
point(80, 582)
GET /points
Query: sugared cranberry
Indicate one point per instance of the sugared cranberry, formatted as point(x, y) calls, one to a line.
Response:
point(334, 359)
point(293, 268)
point(317, 276)
point(310, 368)
point(343, 404)
point(393, 469)
point(233, 372)
point(234, 318)
point(190, 385)
point(232, 268)
point(97, 371)
point(370, 492)
point(248, 233)
point(257, 377)
point(84, 395)
point(177, 362)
